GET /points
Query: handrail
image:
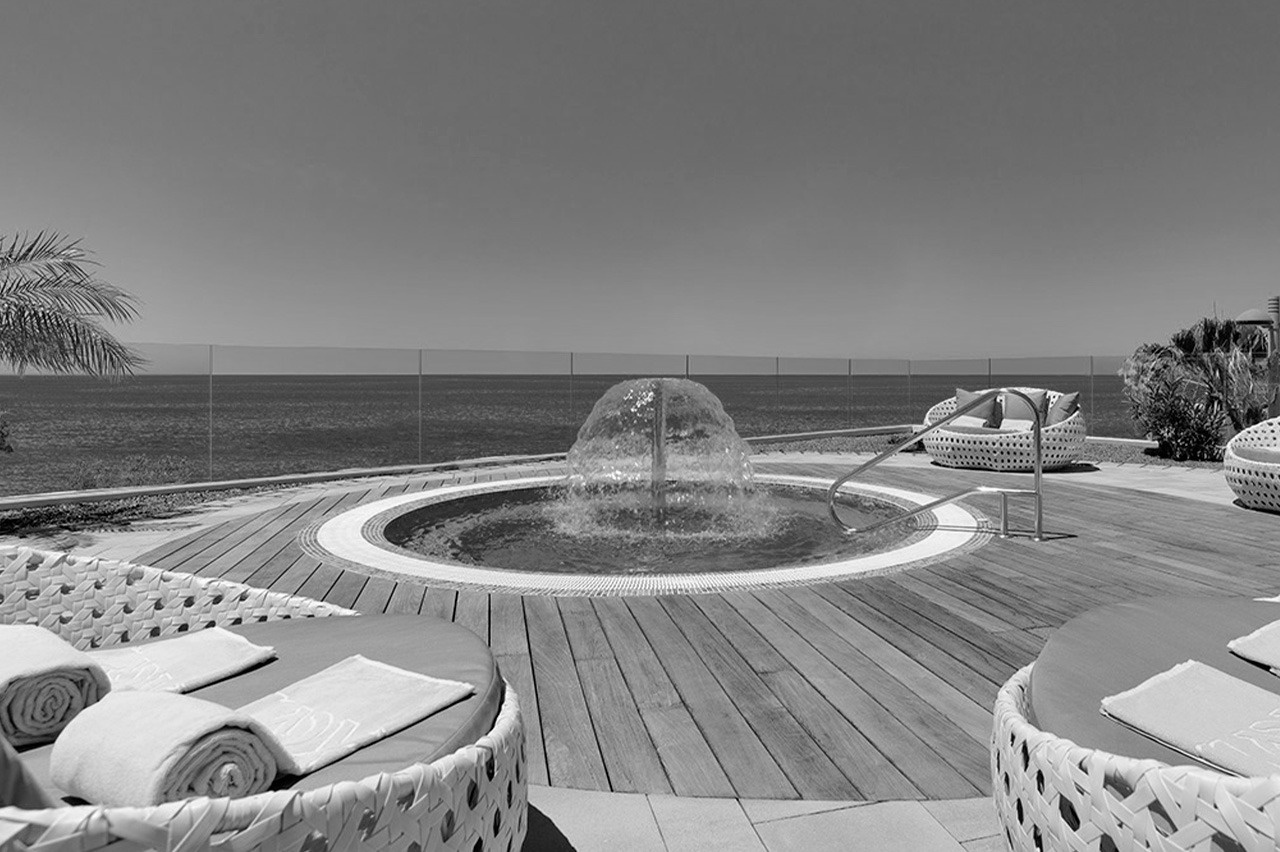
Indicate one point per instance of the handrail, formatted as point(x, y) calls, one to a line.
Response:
point(1004, 493)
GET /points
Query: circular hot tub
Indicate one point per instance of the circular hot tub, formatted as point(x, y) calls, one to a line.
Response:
point(502, 536)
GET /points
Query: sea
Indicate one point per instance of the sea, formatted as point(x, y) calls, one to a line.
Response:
point(77, 432)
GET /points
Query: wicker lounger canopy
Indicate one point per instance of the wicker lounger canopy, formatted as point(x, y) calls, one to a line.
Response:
point(1060, 443)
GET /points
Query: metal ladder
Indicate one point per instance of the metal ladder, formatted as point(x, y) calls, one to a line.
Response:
point(1004, 493)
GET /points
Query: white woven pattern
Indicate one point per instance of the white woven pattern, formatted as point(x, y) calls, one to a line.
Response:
point(1053, 795)
point(1060, 443)
point(474, 799)
point(1256, 483)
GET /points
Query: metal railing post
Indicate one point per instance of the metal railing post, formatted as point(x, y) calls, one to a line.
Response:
point(210, 411)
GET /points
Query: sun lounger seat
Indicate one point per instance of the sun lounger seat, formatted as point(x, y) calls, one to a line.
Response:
point(1252, 465)
point(473, 797)
point(1001, 448)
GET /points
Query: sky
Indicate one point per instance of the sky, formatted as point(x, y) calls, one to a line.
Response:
point(847, 179)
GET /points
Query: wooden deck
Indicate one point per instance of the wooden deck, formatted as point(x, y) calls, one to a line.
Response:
point(877, 688)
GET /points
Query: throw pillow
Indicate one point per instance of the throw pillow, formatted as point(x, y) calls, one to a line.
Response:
point(987, 412)
point(1065, 406)
point(1017, 425)
point(1016, 407)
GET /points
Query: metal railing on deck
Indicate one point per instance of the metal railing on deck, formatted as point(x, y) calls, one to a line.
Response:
point(1036, 491)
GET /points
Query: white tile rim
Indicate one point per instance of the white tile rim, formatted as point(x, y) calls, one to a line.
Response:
point(347, 537)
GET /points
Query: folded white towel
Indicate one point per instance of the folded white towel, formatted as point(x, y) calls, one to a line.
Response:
point(144, 748)
point(181, 663)
point(1207, 714)
point(44, 683)
point(350, 704)
point(1262, 646)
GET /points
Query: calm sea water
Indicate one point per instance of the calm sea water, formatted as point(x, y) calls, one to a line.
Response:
point(73, 432)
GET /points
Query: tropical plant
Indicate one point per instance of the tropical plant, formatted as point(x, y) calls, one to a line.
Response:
point(52, 306)
point(1185, 393)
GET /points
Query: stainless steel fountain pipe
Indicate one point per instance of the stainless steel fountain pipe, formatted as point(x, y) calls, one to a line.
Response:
point(658, 467)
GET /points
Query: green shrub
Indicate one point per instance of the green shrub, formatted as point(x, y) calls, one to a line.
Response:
point(1186, 394)
point(1183, 427)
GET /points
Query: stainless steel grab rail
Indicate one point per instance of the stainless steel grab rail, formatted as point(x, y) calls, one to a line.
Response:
point(1004, 493)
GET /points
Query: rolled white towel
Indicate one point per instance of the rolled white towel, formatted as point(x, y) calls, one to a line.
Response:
point(44, 683)
point(144, 748)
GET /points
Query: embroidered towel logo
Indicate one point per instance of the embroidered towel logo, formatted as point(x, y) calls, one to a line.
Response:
point(140, 672)
point(1260, 740)
point(306, 733)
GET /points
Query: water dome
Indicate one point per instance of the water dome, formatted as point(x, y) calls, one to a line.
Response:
point(661, 455)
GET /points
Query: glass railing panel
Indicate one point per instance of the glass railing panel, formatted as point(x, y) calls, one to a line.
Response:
point(283, 410)
point(78, 432)
point(481, 403)
point(747, 386)
point(881, 393)
point(933, 380)
point(596, 372)
point(813, 394)
point(1105, 407)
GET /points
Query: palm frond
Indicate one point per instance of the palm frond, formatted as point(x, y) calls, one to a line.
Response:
point(62, 343)
point(85, 296)
point(50, 304)
point(47, 254)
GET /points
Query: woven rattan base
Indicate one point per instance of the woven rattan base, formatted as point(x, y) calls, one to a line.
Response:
point(1255, 482)
point(1053, 795)
point(1060, 443)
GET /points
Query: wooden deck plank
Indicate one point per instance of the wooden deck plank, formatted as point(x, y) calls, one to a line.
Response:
point(691, 766)
point(406, 598)
point(285, 533)
point(375, 596)
point(518, 671)
point(629, 755)
point(298, 574)
point(509, 640)
point(979, 685)
point(751, 769)
point(439, 603)
point(472, 612)
point(320, 581)
point(256, 542)
point(569, 739)
point(806, 763)
point(894, 720)
point(586, 637)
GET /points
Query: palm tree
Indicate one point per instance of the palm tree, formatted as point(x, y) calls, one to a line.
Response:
point(51, 307)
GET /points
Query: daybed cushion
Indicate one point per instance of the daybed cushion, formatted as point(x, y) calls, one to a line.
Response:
point(306, 645)
point(987, 414)
point(1063, 407)
point(1016, 408)
point(1010, 424)
point(977, 430)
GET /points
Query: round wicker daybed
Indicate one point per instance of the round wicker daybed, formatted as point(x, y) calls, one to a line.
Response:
point(1052, 794)
point(475, 798)
point(1004, 450)
point(1251, 463)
